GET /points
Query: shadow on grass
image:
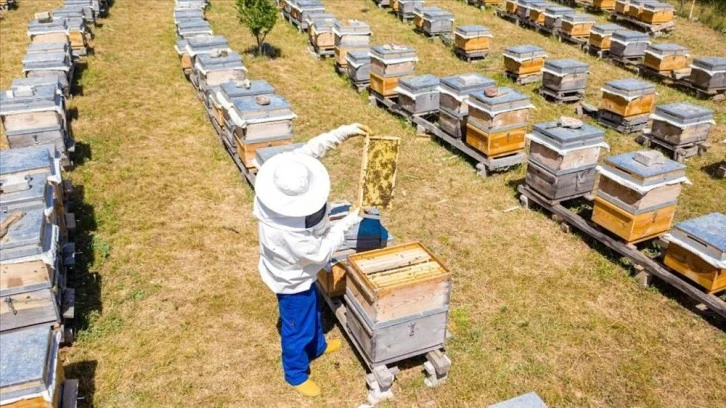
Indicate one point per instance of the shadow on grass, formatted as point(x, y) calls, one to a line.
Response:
point(713, 170)
point(85, 372)
point(76, 87)
point(82, 153)
point(268, 50)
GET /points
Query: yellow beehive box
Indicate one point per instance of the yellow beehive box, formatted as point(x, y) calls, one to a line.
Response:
point(666, 58)
point(628, 97)
point(656, 13)
point(524, 59)
point(577, 25)
point(496, 142)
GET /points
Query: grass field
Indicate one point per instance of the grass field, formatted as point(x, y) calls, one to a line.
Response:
point(173, 310)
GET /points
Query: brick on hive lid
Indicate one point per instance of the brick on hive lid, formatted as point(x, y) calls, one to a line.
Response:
point(649, 157)
point(43, 17)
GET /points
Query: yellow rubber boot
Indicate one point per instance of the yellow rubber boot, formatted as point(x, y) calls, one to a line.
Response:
point(308, 388)
point(333, 346)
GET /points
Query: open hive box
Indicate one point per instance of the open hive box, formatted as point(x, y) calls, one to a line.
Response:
point(398, 300)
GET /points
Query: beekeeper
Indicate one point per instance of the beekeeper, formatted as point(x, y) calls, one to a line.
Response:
point(296, 242)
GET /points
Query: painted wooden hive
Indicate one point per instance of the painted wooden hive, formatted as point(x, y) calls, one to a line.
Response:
point(437, 22)
point(192, 28)
point(394, 6)
point(523, 7)
point(398, 302)
point(553, 15)
point(454, 94)
point(301, 9)
point(524, 59)
point(189, 49)
point(488, 2)
point(406, 8)
point(637, 194)
point(603, 4)
point(320, 32)
point(222, 98)
point(419, 95)
point(601, 35)
point(622, 7)
point(214, 69)
point(577, 25)
point(666, 58)
point(497, 121)
point(359, 66)
point(681, 123)
point(181, 14)
point(389, 63)
point(350, 35)
point(562, 159)
point(629, 44)
point(259, 121)
point(565, 75)
point(511, 6)
point(63, 47)
point(472, 38)
point(628, 97)
point(708, 73)
point(48, 30)
point(656, 13)
point(697, 250)
point(418, 15)
point(52, 63)
point(635, 8)
point(76, 11)
point(537, 12)
point(31, 372)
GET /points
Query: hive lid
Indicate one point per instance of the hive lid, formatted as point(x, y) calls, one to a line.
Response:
point(58, 25)
point(708, 229)
point(525, 52)
point(605, 29)
point(470, 31)
point(351, 27)
point(48, 47)
point(667, 49)
point(30, 99)
point(505, 99)
point(222, 60)
point(194, 25)
point(683, 113)
point(630, 36)
point(358, 56)
point(437, 15)
point(568, 137)
point(323, 17)
point(553, 10)
point(464, 84)
point(638, 3)
point(25, 191)
point(539, 5)
point(27, 359)
point(46, 61)
point(527, 3)
point(26, 159)
point(578, 18)
point(237, 89)
point(37, 82)
point(713, 64)
point(25, 237)
point(416, 83)
point(656, 6)
point(393, 52)
point(206, 43)
point(250, 104)
point(181, 13)
point(627, 162)
point(566, 66)
point(629, 87)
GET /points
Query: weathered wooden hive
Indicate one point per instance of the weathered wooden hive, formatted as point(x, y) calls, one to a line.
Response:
point(75, 11)
point(37, 81)
point(708, 73)
point(31, 372)
point(77, 34)
point(681, 123)
point(565, 75)
point(622, 7)
point(215, 68)
point(406, 8)
point(260, 121)
point(190, 48)
point(601, 35)
point(553, 15)
point(523, 7)
point(320, 32)
point(628, 98)
point(577, 25)
point(537, 11)
point(562, 159)
point(63, 47)
point(437, 22)
point(418, 14)
point(497, 121)
point(666, 58)
point(454, 94)
point(222, 99)
point(389, 63)
point(34, 116)
point(359, 66)
point(48, 30)
point(635, 8)
point(381, 317)
point(524, 59)
point(301, 10)
point(419, 95)
point(603, 4)
point(472, 40)
point(350, 35)
point(89, 7)
point(629, 44)
point(181, 14)
point(656, 13)
point(637, 194)
point(50, 60)
point(192, 28)
point(697, 250)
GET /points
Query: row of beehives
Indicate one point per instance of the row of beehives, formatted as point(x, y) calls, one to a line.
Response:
point(247, 114)
point(35, 252)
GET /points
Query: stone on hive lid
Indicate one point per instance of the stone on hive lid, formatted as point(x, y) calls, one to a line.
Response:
point(571, 123)
point(492, 91)
point(649, 157)
point(219, 52)
point(262, 100)
point(43, 17)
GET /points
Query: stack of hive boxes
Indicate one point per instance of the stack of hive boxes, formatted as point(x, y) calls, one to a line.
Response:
point(350, 35)
point(697, 250)
point(635, 8)
point(454, 94)
point(472, 41)
point(537, 12)
point(562, 159)
point(564, 79)
point(681, 124)
point(188, 28)
point(50, 59)
point(553, 16)
point(418, 18)
point(708, 73)
point(637, 194)
point(436, 22)
point(301, 10)
point(626, 104)
point(622, 7)
point(524, 62)
point(601, 36)
point(656, 13)
point(606, 5)
point(406, 8)
point(419, 95)
point(666, 59)
point(389, 64)
point(359, 67)
point(523, 7)
point(213, 69)
point(189, 48)
point(78, 29)
point(223, 97)
point(577, 25)
point(629, 45)
point(320, 34)
point(497, 121)
point(510, 6)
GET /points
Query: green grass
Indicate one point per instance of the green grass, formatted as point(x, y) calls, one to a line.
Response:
point(709, 12)
point(175, 312)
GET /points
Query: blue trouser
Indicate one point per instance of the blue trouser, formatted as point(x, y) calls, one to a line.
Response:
point(302, 333)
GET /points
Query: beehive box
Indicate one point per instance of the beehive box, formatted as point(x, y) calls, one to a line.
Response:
point(628, 97)
point(656, 13)
point(666, 58)
point(418, 15)
point(48, 30)
point(181, 14)
point(565, 75)
point(497, 108)
point(350, 35)
point(76, 11)
point(191, 28)
point(629, 44)
point(496, 142)
point(523, 7)
point(358, 66)
point(223, 97)
point(681, 123)
point(31, 373)
point(397, 302)
point(603, 4)
point(635, 8)
point(577, 25)
point(524, 59)
point(622, 7)
point(697, 250)
point(63, 47)
point(419, 95)
point(708, 73)
point(406, 8)
point(261, 118)
point(454, 93)
point(299, 7)
point(51, 63)
point(321, 31)
point(437, 22)
point(78, 35)
point(214, 69)
point(33, 116)
point(247, 150)
point(601, 35)
point(389, 63)
point(472, 38)
point(510, 6)
point(637, 201)
point(553, 15)
point(537, 12)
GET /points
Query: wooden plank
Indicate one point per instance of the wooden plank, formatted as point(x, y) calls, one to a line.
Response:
point(28, 309)
point(378, 171)
point(70, 394)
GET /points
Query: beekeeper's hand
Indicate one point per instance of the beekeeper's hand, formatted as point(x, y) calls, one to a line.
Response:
point(319, 145)
point(349, 221)
point(354, 129)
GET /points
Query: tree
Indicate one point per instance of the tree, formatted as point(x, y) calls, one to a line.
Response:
point(259, 16)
